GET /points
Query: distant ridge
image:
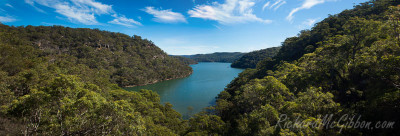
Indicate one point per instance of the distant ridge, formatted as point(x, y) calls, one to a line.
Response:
point(228, 57)
point(250, 60)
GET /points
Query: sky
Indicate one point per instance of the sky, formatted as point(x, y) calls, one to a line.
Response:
point(182, 27)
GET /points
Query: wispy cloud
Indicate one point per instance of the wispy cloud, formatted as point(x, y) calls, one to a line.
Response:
point(275, 5)
point(122, 20)
point(165, 16)
point(266, 5)
point(232, 11)
point(219, 28)
point(307, 4)
point(32, 3)
point(82, 11)
point(308, 23)
point(6, 19)
point(76, 14)
point(9, 5)
point(93, 6)
point(279, 5)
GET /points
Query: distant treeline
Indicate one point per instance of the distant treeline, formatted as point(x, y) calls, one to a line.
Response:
point(250, 60)
point(228, 57)
point(185, 60)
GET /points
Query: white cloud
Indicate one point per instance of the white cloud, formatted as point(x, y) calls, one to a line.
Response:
point(266, 5)
point(275, 5)
point(122, 20)
point(94, 6)
point(32, 3)
point(232, 11)
point(76, 14)
point(279, 5)
point(6, 19)
point(82, 11)
point(307, 4)
point(165, 16)
point(9, 5)
point(309, 22)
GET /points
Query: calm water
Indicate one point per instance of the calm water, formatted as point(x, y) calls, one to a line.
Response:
point(198, 90)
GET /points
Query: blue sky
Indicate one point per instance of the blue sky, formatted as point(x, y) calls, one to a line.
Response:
point(182, 27)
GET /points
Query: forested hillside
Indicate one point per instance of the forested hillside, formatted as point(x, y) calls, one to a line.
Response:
point(228, 57)
point(185, 60)
point(308, 41)
point(250, 60)
point(127, 61)
point(347, 65)
point(65, 81)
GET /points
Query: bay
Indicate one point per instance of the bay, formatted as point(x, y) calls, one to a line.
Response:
point(192, 94)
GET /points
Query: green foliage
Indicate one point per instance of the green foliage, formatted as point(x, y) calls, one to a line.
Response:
point(250, 60)
point(185, 60)
point(228, 57)
point(68, 106)
point(307, 41)
point(125, 60)
point(206, 125)
point(64, 81)
point(347, 64)
point(394, 20)
point(259, 92)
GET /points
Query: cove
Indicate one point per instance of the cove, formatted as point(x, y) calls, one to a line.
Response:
point(196, 91)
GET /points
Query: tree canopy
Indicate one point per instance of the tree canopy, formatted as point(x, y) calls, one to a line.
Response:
point(347, 64)
point(65, 81)
point(228, 57)
point(128, 61)
point(56, 80)
point(250, 60)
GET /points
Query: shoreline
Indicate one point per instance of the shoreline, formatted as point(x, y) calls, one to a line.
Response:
point(157, 81)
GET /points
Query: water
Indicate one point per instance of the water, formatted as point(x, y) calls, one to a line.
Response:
point(196, 91)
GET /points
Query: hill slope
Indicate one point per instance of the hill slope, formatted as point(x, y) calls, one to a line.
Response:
point(186, 60)
point(250, 60)
point(216, 57)
point(127, 60)
point(347, 65)
point(63, 81)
